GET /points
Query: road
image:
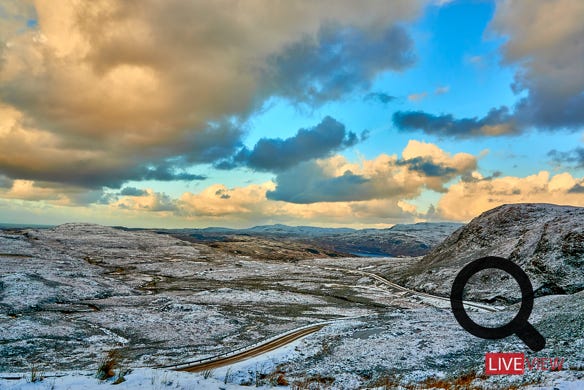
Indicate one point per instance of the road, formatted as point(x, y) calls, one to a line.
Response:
point(381, 279)
point(227, 359)
point(255, 351)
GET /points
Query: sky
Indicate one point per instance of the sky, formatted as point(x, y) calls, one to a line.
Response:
point(188, 113)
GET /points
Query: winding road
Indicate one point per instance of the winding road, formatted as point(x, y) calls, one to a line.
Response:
point(262, 348)
point(290, 336)
point(381, 279)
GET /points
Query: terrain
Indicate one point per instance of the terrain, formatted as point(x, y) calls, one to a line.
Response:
point(303, 242)
point(71, 294)
point(546, 240)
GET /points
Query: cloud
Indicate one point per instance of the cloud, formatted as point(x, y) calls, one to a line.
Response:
point(166, 172)
point(173, 80)
point(133, 191)
point(496, 122)
point(549, 56)
point(417, 97)
point(385, 177)
point(380, 97)
point(481, 195)
point(249, 205)
point(49, 193)
point(5, 182)
point(276, 154)
point(338, 62)
point(309, 183)
point(442, 90)
point(544, 38)
point(573, 157)
point(330, 191)
point(147, 201)
point(477, 61)
point(427, 167)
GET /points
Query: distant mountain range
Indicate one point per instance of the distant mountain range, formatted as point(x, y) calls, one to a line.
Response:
point(399, 240)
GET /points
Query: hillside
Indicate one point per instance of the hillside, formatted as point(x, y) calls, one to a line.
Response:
point(546, 240)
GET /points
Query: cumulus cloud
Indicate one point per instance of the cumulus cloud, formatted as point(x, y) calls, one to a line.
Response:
point(166, 172)
point(49, 193)
point(276, 154)
point(96, 93)
point(545, 38)
point(481, 195)
point(337, 180)
point(337, 62)
point(147, 201)
point(544, 41)
point(332, 190)
point(245, 206)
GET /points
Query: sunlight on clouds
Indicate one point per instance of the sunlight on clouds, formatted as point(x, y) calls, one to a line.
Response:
point(376, 195)
point(466, 200)
point(141, 84)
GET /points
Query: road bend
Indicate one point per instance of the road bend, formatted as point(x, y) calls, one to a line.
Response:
point(252, 352)
point(395, 286)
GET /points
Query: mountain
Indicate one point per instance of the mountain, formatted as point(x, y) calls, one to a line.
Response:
point(399, 240)
point(546, 240)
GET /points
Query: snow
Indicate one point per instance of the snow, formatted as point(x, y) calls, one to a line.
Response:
point(70, 294)
point(140, 378)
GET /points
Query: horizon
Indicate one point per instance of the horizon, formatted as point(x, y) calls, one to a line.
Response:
point(188, 115)
point(21, 225)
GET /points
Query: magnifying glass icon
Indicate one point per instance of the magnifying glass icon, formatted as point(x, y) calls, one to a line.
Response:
point(519, 325)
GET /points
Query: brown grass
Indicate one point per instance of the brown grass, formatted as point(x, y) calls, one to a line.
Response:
point(108, 365)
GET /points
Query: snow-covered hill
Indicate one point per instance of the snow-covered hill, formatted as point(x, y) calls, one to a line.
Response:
point(546, 240)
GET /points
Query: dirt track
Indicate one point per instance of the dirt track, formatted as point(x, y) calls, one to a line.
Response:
point(260, 349)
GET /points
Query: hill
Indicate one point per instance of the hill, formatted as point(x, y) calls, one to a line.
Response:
point(546, 240)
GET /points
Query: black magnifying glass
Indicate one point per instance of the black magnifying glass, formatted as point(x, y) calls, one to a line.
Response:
point(519, 325)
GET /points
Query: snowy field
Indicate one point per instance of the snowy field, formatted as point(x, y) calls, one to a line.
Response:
point(70, 295)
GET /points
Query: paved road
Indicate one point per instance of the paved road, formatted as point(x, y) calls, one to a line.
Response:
point(255, 351)
point(292, 336)
point(381, 279)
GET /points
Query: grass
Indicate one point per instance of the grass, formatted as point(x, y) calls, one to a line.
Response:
point(35, 375)
point(207, 373)
point(469, 380)
point(107, 366)
point(228, 376)
point(313, 382)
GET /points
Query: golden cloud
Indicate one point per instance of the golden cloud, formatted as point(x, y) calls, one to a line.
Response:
point(467, 199)
point(109, 87)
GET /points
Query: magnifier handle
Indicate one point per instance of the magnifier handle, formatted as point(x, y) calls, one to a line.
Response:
point(531, 337)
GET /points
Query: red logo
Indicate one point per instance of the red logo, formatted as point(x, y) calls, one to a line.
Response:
point(504, 363)
point(515, 363)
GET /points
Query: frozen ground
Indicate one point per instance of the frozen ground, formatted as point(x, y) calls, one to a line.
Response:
point(70, 294)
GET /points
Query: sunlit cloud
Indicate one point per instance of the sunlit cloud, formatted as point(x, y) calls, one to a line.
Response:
point(482, 194)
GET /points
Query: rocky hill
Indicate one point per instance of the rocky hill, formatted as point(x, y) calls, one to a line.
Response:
point(546, 240)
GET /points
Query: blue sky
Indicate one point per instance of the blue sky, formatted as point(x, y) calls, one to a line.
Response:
point(328, 113)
